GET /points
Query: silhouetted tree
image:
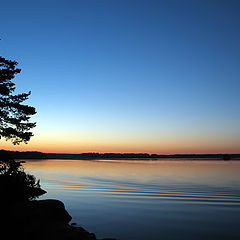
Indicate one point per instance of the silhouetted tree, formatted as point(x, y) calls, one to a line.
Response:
point(14, 116)
point(15, 183)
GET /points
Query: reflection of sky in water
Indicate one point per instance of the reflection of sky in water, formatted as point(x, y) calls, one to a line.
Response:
point(147, 200)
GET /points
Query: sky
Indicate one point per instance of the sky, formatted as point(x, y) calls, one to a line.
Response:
point(127, 76)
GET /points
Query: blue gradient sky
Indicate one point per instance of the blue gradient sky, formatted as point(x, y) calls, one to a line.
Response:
point(127, 76)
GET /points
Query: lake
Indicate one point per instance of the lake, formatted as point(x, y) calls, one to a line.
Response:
point(147, 200)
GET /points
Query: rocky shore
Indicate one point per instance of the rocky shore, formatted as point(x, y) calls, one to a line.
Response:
point(42, 219)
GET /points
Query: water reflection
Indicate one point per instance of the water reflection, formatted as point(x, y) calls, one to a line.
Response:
point(174, 199)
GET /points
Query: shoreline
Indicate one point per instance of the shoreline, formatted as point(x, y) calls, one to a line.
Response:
point(121, 156)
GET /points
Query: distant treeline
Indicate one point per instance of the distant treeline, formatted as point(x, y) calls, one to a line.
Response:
point(92, 156)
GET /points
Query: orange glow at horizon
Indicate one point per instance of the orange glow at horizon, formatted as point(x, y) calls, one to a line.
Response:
point(158, 146)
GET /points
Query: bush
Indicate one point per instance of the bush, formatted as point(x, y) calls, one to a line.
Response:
point(15, 184)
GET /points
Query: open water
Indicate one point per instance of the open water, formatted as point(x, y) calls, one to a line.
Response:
point(147, 200)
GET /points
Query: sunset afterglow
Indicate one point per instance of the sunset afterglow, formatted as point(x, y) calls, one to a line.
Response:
point(119, 76)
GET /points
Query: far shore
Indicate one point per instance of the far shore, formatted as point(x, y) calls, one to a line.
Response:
point(121, 156)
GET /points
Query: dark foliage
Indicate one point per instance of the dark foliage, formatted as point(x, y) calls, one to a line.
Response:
point(15, 184)
point(14, 116)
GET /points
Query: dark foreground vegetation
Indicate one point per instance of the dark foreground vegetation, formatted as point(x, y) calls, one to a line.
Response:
point(92, 156)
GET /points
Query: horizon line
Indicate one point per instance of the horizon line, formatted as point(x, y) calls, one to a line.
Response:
point(125, 153)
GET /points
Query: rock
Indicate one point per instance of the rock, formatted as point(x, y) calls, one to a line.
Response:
point(109, 239)
point(41, 212)
point(50, 210)
point(80, 233)
point(37, 220)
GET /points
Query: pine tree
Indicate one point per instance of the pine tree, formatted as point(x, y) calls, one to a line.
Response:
point(15, 183)
point(14, 116)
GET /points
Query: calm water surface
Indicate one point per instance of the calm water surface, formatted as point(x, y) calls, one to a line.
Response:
point(147, 200)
